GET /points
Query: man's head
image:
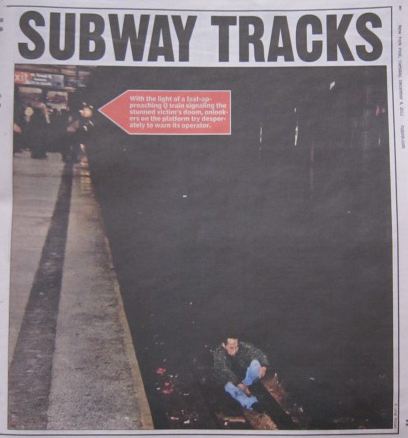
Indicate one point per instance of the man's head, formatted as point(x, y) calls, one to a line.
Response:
point(231, 346)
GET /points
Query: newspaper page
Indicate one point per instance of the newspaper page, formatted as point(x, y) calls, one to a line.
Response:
point(204, 218)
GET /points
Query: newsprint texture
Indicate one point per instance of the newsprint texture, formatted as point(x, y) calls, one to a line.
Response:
point(204, 219)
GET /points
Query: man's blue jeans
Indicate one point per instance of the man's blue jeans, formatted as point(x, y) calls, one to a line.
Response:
point(252, 375)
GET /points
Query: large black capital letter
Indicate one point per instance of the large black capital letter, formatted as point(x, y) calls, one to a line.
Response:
point(336, 37)
point(55, 36)
point(280, 29)
point(32, 34)
point(369, 36)
point(137, 39)
point(161, 28)
point(223, 23)
point(184, 35)
point(301, 38)
point(245, 39)
point(86, 36)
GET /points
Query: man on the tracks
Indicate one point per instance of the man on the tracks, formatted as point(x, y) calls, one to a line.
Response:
point(238, 365)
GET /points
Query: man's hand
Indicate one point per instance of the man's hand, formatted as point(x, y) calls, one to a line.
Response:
point(262, 372)
point(244, 388)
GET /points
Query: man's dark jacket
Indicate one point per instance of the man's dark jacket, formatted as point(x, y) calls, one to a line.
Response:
point(233, 368)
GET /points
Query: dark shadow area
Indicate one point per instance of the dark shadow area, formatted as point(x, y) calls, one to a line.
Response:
point(280, 232)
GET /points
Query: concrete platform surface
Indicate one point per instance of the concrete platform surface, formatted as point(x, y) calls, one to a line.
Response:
point(72, 365)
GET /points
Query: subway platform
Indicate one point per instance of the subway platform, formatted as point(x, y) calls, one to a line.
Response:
point(72, 364)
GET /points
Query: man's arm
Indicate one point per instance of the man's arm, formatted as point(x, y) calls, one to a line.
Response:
point(252, 353)
point(222, 369)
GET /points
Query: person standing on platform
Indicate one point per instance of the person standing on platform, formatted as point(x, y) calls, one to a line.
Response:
point(38, 134)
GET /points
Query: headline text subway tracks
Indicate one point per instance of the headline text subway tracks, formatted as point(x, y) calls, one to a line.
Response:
point(151, 38)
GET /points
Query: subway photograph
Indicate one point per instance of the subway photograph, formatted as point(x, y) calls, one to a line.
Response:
point(232, 279)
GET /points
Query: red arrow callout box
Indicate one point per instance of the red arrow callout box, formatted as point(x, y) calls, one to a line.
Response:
point(172, 112)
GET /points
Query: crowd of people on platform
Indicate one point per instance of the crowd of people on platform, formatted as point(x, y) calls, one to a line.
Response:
point(43, 129)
